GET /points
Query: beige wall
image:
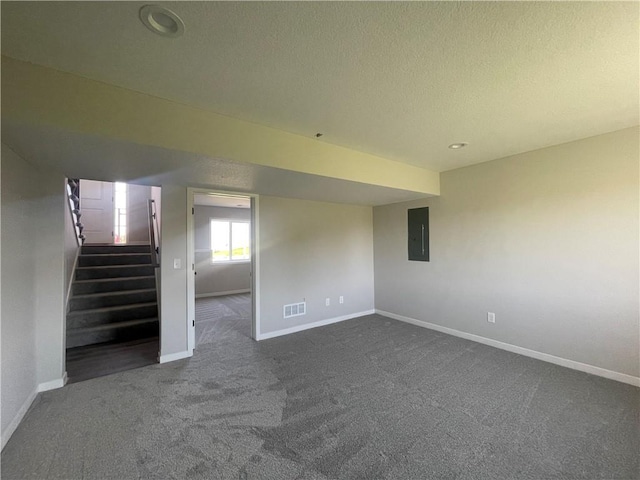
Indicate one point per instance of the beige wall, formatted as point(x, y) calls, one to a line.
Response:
point(19, 382)
point(548, 240)
point(218, 278)
point(40, 95)
point(310, 251)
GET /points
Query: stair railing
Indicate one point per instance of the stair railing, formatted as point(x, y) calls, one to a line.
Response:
point(73, 196)
point(154, 233)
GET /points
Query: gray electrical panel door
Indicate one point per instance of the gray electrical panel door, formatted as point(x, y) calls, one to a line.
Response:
point(418, 230)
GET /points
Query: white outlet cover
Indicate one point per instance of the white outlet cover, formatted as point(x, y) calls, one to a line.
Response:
point(491, 317)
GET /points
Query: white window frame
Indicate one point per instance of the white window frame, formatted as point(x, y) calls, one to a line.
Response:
point(230, 260)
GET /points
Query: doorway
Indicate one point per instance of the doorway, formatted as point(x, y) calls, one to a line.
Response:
point(96, 201)
point(112, 320)
point(222, 252)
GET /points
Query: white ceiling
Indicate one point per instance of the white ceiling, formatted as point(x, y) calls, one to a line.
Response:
point(399, 80)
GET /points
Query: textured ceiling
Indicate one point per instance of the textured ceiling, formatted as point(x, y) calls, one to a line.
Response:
point(399, 80)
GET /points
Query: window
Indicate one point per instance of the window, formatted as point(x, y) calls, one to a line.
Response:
point(120, 213)
point(230, 241)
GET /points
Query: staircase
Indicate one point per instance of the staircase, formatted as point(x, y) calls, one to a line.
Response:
point(113, 296)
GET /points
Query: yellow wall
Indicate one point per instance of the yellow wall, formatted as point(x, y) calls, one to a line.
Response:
point(37, 95)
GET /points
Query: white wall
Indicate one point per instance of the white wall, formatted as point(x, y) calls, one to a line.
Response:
point(19, 382)
point(48, 217)
point(33, 297)
point(138, 213)
point(217, 278)
point(71, 249)
point(173, 290)
point(310, 251)
point(548, 240)
point(96, 208)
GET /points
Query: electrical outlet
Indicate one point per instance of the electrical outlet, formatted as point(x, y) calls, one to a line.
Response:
point(327, 302)
point(491, 317)
point(341, 299)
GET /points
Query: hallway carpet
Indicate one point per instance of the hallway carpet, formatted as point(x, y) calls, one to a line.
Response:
point(363, 399)
point(217, 317)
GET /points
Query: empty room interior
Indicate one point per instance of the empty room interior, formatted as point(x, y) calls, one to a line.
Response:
point(374, 240)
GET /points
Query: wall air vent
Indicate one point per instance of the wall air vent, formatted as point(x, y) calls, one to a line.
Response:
point(295, 309)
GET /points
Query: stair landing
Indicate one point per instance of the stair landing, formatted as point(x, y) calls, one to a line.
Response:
point(98, 360)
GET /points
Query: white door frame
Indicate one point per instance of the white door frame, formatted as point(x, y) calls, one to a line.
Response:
point(255, 263)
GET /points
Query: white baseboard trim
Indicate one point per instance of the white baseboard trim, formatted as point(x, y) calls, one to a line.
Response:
point(222, 294)
point(307, 326)
point(11, 428)
point(172, 357)
point(53, 384)
point(545, 357)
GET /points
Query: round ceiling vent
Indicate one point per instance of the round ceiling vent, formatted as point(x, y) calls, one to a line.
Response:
point(162, 21)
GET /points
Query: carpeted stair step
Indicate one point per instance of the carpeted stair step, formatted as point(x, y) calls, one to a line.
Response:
point(113, 332)
point(104, 259)
point(111, 299)
point(105, 249)
point(85, 287)
point(114, 296)
point(107, 315)
point(114, 271)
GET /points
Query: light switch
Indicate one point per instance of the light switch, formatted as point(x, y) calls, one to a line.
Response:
point(177, 263)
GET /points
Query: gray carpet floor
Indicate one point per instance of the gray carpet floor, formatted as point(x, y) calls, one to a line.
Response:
point(363, 399)
point(218, 317)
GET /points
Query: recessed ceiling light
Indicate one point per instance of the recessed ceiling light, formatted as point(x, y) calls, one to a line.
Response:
point(162, 21)
point(457, 146)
